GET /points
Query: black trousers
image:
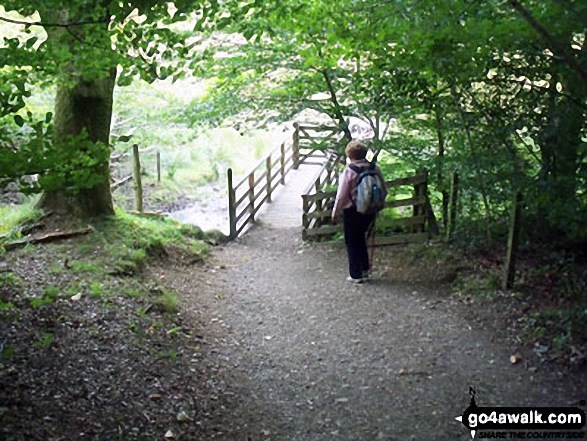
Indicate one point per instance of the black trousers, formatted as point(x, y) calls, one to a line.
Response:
point(355, 237)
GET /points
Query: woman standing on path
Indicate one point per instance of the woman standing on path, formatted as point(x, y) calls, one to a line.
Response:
point(355, 224)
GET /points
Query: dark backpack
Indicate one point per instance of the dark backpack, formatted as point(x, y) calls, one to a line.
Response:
point(370, 197)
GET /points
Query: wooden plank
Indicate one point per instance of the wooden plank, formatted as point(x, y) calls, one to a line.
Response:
point(312, 163)
point(319, 214)
point(260, 178)
point(400, 238)
point(242, 198)
point(119, 183)
point(242, 227)
point(403, 221)
point(47, 237)
point(242, 213)
point(418, 200)
point(320, 128)
point(410, 180)
point(258, 195)
point(321, 195)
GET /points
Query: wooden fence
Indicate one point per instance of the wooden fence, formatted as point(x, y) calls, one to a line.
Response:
point(319, 201)
point(247, 196)
point(136, 172)
point(312, 140)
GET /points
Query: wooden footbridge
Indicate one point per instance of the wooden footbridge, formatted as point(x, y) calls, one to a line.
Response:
point(295, 186)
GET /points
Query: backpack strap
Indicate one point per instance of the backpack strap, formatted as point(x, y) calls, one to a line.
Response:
point(360, 170)
point(356, 168)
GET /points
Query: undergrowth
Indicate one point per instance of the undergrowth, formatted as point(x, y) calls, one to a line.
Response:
point(14, 217)
point(108, 262)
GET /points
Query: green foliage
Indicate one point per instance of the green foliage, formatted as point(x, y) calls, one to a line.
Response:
point(5, 306)
point(565, 327)
point(14, 216)
point(83, 267)
point(51, 292)
point(38, 302)
point(45, 341)
point(96, 291)
point(167, 302)
point(473, 89)
point(73, 155)
point(130, 240)
point(9, 285)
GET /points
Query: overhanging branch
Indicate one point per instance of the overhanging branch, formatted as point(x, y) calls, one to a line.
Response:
point(53, 25)
point(556, 46)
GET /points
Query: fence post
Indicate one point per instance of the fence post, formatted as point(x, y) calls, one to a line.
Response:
point(305, 221)
point(137, 178)
point(513, 240)
point(269, 178)
point(158, 166)
point(452, 205)
point(282, 160)
point(319, 202)
point(252, 196)
point(418, 210)
point(296, 146)
point(231, 206)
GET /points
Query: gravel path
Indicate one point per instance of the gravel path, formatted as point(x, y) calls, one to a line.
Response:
point(296, 353)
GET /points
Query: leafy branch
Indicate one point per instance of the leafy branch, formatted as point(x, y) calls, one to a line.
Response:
point(54, 25)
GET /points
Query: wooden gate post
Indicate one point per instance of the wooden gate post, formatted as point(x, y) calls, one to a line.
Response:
point(158, 166)
point(452, 206)
point(252, 196)
point(268, 178)
point(231, 206)
point(296, 147)
point(513, 240)
point(319, 202)
point(137, 178)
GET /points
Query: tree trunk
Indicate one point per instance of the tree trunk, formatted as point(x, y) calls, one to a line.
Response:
point(440, 169)
point(85, 107)
point(560, 142)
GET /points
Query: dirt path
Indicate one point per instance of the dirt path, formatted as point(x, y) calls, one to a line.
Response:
point(295, 353)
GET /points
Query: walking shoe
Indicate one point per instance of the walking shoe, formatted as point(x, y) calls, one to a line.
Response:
point(351, 280)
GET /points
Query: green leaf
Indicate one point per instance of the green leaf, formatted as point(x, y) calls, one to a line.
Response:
point(124, 138)
point(19, 120)
point(48, 117)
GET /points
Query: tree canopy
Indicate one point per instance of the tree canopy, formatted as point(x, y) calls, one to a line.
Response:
point(494, 90)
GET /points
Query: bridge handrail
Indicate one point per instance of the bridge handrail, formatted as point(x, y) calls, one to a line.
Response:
point(257, 186)
point(260, 187)
point(318, 203)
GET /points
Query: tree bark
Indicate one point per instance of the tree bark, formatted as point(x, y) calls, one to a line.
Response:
point(336, 104)
point(84, 107)
point(440, 169)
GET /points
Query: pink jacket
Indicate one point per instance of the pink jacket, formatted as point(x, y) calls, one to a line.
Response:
point(347, 187)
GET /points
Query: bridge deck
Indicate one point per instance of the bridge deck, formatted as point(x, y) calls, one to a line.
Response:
point(286, 208)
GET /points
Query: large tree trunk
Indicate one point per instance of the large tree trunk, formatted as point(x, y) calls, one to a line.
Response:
point(85, 107)
point(560, 143)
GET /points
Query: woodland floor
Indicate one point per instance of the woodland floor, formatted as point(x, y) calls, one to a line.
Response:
point(270, 343)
